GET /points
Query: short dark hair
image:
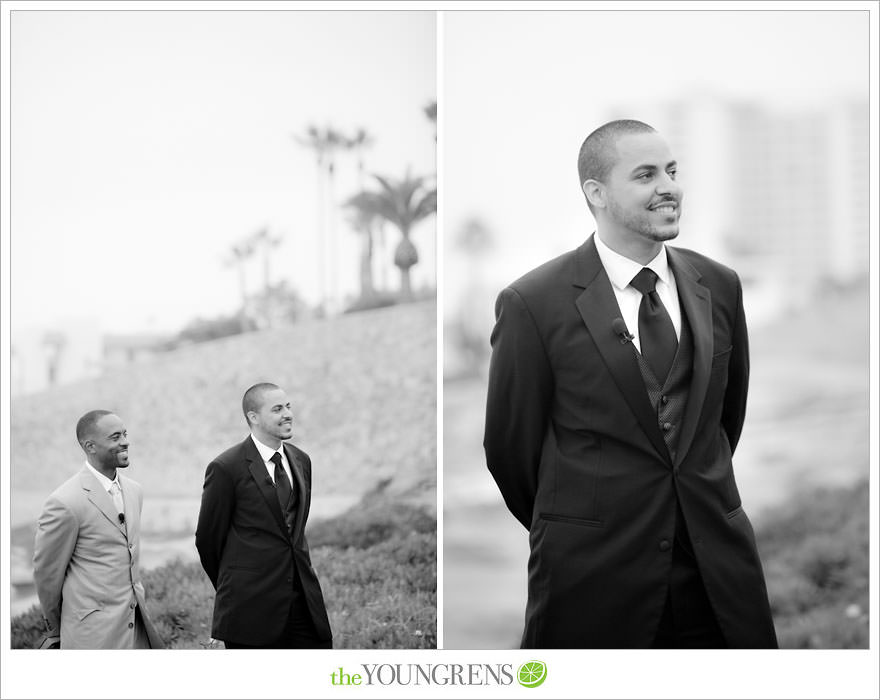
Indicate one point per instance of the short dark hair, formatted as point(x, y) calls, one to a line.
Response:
point(86, 424)
point(252, 398)
point(598, 152)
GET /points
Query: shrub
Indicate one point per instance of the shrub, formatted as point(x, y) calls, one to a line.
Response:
point(28, 628)
point(817, 580)
point(373, 521)
point(376, 564)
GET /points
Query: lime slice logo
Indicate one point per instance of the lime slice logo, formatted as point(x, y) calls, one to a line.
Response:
point(532, 673)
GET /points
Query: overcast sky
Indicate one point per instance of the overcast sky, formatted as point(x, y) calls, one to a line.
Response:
point(523, 89)
point(145, 144)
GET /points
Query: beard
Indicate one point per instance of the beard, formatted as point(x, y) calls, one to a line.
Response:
point(111, 460)
point(642, 224)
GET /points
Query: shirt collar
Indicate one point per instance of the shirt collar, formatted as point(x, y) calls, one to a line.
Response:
point(266, 452)
point(103, 480)
point(622, 269)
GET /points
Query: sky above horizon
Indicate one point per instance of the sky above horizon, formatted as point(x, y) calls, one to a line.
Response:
point(146, 144)
point(523, 89)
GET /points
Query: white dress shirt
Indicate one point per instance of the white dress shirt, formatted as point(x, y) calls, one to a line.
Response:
point(107, 485)
point(266, 453)
point(621, 271)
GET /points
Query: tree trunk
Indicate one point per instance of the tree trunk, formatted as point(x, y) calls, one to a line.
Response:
point(331, 236)
point(244, 313)
point(405, 284)
point(321, 238)
point(367, 290)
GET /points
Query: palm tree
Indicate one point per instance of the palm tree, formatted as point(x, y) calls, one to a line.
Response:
point(239, 255)
point(55, 343)
point(404, 203)
point(430, 111)
point(314, 139)
point(360, 141)
point(263, 240)
point(334, 141)
point(365, 215)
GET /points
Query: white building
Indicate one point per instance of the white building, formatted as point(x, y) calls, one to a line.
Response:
point(780, 195)
point(43, 358)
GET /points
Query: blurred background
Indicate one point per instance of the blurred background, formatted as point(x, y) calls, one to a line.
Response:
point(205, 200)
point(767, 114)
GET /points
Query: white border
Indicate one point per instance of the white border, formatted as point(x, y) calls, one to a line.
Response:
point(611, 674)
point(440, 315)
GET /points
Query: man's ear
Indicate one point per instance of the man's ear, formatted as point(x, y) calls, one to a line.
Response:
point(594, 191)
point(88, 446)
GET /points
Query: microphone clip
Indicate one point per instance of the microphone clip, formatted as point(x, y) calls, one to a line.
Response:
point(621, 331)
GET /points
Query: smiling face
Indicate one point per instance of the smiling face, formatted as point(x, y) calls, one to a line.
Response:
point(639, 204)
point(272, 419)
point(106, 445)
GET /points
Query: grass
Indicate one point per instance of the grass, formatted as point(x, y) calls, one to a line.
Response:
point(817, 579)
point(377, 565)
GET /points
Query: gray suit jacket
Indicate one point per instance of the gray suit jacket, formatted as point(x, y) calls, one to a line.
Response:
point(86, 565)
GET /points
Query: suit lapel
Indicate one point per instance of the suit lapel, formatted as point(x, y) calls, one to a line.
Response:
point(598, 307)
point(297, 470)
point(696, 303)
point(257, 468)
point(100, 498)
point(130, 504)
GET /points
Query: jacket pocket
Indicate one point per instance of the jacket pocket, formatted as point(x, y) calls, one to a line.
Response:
point(721, 359)
point(248, 569)
point(553, 518)
point(82, 613)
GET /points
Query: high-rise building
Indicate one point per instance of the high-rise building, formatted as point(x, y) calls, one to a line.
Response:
point(780, 195)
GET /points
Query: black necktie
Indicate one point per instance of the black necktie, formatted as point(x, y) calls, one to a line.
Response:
point(282, 483)
point(656, 332)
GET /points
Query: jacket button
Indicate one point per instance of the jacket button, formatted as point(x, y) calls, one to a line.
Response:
point(131, 606)
point(664, 545)
point(131, 624)
point(130, 546)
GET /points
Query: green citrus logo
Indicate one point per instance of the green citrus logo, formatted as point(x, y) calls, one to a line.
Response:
point(532, 673)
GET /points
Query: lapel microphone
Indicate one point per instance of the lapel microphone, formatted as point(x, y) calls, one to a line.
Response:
point(122, 518)
point(620, 330)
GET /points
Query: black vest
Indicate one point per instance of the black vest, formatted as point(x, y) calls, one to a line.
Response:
point(669, 398)
point(289, 511)
point(669, 401)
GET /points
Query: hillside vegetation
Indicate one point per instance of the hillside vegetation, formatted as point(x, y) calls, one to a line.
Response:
point(363, 388)
point(817, 578)
point(378, 569)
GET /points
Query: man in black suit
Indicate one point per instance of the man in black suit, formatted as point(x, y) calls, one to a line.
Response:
point(250, 539)
point(617, 393)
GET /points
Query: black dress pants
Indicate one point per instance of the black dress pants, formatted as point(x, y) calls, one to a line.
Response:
point(688, 621)
point(299, 632)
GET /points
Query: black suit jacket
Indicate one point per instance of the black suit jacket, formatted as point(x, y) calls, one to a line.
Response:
point(246, 551)
point(577, 452)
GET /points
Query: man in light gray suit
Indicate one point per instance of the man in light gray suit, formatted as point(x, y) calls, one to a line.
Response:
point(87, 548)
